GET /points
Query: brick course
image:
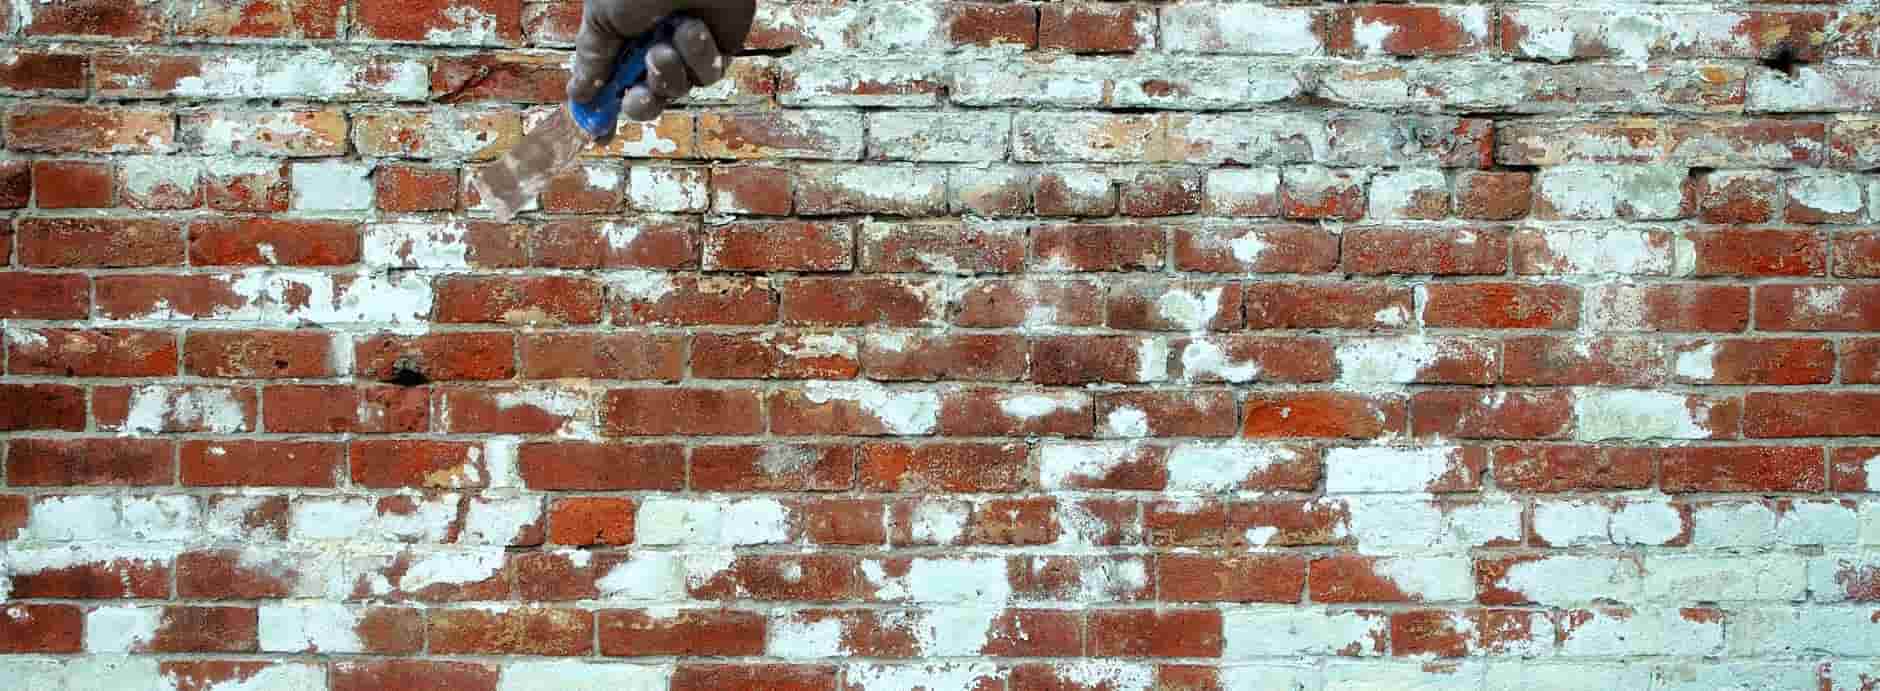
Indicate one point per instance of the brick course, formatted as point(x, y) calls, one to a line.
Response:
point(977, 345)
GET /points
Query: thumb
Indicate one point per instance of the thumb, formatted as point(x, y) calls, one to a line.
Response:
point(596, 49)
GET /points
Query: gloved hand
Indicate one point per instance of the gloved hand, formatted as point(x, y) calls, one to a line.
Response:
point(700, 49)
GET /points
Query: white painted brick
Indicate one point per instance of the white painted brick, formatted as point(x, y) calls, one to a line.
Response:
point(574, 675)
point(963, 136)
point(1733, 524)
point(1572, 522)
point(1842, 577)
point(332, 186)
point(1690, 578)
point(1572, 579)
point(1256, 632)
point(1645, 630)
point(1646, 522)
point(1239, 28)
point(1818, 522)
point(1553, 676)
point(1732, 676)
point(1395, 523)
point(1459, 676)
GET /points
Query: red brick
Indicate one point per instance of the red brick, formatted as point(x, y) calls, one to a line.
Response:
point(1582, 361)
point(50, 462)
point(773, 134)
point(436, 357)
point(311, 19)
point(408, 188)
point(771, 578)
point(1823, 307)
point(1098, 247)
point(1160, 193)
point(584, 521)
point(1313, 193)
point(1743, 469)
point(950, 467)
point(739, 677)
point(1326, 306)
point(942, 247)
point(1241, 578)
point(870, 301)
point(259, 354)
point(16, 184)
point(1015, 522)
point(973, 412)
point(603, 356)
point(1758, 253)
point(1178, 523)
point(74, 184)
point(1860, 361)
point(1156, 633)
point(1502, 306)
point(344, 408)
point(229, 574)
point(1824, 414)
point(130, 21)
point(775, 355)
point(99, 243)
point(1173, 306)
point(1290, 523)
point(757, 189)
point(43, 296)
point(1250, 358)
point(1672, 307)
point(42, 72)
point(96, 579)
point(263, 186)
point(555, 576)
point(382, 674)
point(991, 24)
point(1062, 360)
point(1493, 195)
point(690, 633)
point(1189, 413)
point(593, 188)
point(519, 77)
point(517, 300)
point(1748, 362)
point(1847, 466)
point(92, 353)
point(43, 629)
point(13, 514)
point(415, 463)
point(197, 629)
point(261, 463)
point(646, 242)
point(422, 22)
point(287, 242)
point(168, 296)
point(1857, 253)
point(1481, 250)
point(1533, 468)
point(1088, 27)
point(1498, 415)
point(1740, 198)
point(78, 128)
point(773, 468)
point(1281, 248)
point(1410, 31)
point(180, 408)
point(961, 357)
point(780, 246)
point(601, 466)
point(1324, 415)
point(692, 300)
point(996, 303)
point(635, 412)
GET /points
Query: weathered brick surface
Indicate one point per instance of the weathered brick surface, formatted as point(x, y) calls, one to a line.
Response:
point(975, 345)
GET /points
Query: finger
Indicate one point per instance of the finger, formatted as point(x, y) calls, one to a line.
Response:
point(694, 41)
point(665, 72)
point(596, 48)
point(729, 21)
point(641, 104)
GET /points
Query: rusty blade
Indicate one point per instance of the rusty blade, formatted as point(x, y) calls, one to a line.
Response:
point(526, 169)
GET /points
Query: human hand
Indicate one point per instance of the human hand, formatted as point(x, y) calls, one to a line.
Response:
point(697, 55)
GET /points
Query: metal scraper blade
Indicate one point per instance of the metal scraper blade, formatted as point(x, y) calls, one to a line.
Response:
point(526, 169)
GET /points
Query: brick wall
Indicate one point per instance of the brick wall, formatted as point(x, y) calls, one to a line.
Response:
point(1229, 346)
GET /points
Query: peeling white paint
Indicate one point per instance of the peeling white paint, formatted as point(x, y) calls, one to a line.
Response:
point(1031, 406)
point(1190, 310)
point(939, 521)
point(1201, 467)
point(1125, 421)
point(1203, 357)
point(310, 627)
point(1151, 360)
point(332, 186)
point(452, 567)
point(153, 409)
point(1636, 414)
point(121, 629)
point(899, 411)
point(1386, 469)
point(1698, 364)
point(1069, 465)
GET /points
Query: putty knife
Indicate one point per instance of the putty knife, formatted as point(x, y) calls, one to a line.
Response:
point(522, 172)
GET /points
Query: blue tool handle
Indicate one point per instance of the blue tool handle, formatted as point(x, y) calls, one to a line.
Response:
point(600, 116)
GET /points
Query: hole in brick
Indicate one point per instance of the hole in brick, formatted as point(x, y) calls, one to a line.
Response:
point(1784, 60)
point(280, 364)
point(405, 375)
